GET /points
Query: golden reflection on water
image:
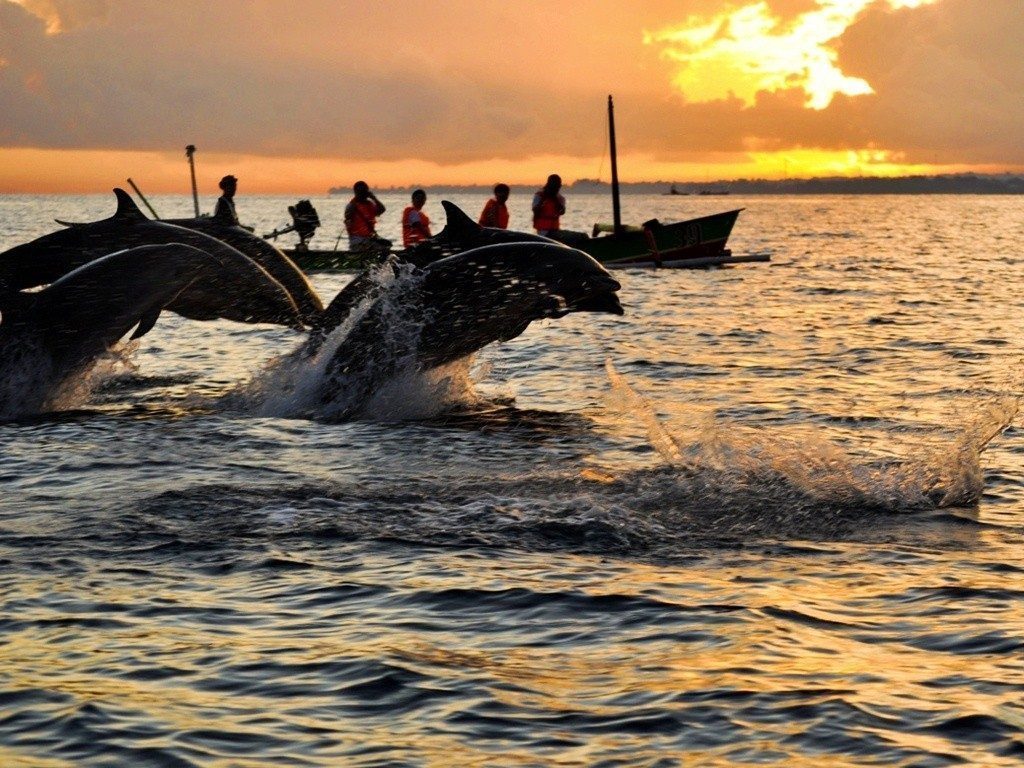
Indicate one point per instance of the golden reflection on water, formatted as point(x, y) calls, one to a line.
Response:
point(844, 646)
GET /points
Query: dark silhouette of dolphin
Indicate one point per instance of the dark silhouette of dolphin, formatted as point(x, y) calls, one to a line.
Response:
point(427, 317)
point(462, 234)
point(257, 296)
point(279, 266)
point(50, 336)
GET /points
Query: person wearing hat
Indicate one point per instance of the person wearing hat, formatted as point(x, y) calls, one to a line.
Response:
point(226, 203)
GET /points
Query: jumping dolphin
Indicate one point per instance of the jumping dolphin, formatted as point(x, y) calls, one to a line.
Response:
point(279, 266)
point(50, 336)
point(257, 296)
point(454, 307)
point(461, 234)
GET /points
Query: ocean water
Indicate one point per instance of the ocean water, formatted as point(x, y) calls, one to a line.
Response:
point(774, 515)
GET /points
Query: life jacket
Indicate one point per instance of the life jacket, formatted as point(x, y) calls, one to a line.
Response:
point(495, 214)
point(363, 222)
point(547, 214)
point(410, 234)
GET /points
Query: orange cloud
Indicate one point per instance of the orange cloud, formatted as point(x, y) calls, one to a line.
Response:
point(750, 49)
point(64, 15)
point(510, 92)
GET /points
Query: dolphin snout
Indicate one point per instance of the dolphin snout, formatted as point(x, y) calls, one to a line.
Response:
point(599, 294)
point(600, 302)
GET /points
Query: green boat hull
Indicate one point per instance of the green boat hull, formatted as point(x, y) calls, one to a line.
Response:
point(330, 261)
point(701, 241)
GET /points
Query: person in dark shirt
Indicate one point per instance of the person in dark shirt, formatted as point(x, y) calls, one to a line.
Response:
point(226, 202)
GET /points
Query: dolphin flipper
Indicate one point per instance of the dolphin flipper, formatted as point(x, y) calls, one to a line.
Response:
point(146, 324)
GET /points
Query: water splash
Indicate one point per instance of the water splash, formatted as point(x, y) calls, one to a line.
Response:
point(742, 465)
point(29, 384)
point(76, 391)
point(25, 380)
point(384, 383)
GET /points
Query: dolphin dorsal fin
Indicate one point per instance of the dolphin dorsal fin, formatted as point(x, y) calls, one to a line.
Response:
point(458, 222)
point(126, 207)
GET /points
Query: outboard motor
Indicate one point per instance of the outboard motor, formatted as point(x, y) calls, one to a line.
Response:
point(305, 222)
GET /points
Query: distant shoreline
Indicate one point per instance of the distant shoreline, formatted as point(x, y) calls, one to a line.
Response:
point(952, 184)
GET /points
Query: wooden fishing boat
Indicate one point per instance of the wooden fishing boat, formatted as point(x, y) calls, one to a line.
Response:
point(310, 260)
point(694, 243)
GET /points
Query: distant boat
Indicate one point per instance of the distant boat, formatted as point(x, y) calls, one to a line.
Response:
point(699, 242)
point(713, 192)
point(673, 191)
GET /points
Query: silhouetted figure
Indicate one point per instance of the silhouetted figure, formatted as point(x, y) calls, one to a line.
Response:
point(226, 202)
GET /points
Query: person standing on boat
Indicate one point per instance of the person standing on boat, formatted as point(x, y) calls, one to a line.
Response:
point(361, 220)
point(225, 209)
point(548, 207)
point(415, 223)
point(495, 212)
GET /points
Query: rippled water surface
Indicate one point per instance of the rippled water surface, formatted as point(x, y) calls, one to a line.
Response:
point(773, 515)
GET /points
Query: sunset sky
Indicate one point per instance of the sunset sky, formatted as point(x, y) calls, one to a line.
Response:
point(302, 95)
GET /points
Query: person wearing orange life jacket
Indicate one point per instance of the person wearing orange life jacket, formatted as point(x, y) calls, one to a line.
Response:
point(495, 213)
point(548, 207)
point(415, 223)
point(361, 220)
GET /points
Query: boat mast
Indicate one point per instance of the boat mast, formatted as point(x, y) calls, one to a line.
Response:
point(190, 150)
point(616, 210)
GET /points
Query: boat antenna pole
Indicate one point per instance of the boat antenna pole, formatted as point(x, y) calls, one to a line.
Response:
point(142, 197)
point(616, 209)
point(190, 151)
